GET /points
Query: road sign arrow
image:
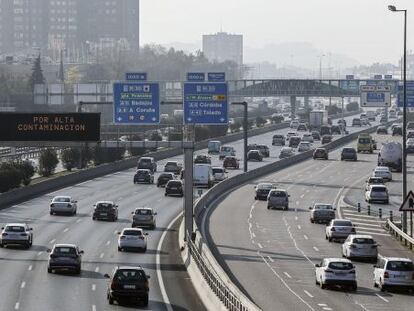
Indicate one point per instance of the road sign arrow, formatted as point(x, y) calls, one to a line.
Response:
point(119, 119)
point(408, 204)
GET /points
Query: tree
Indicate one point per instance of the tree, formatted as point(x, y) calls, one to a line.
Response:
point(10, 177)
point(26, 170)
point(47, 162)
point(102, 155)
point(352, 106)
point(37, 74)
point(70, 158)
point(260, 121)
point(235, 126)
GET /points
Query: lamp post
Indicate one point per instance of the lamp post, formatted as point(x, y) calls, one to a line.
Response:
point(320, 66)
point(392, 8)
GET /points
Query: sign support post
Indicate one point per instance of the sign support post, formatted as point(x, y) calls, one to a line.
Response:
point(188, 191)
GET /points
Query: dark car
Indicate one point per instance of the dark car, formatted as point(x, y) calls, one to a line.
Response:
point(164, 178)
point(173, 167)
point(316, 135)
point(202, 159)
point(382, 130)
point(105, 210)
point(262, 191)
point(320, 153)
point(232, 162)
point(325, 130)
point(326, 139)
point(128, 283)
point(349, 154)
point(335, 129)
point(383, 119)
point(147, 163)
point(65, 257)
point(254, 155)
point(356, 122)
point(294, 141)
point(174, 187)
point(264, 150)
point(342, 122)
point(143, 176)
point(397, 130)
point(302, 127)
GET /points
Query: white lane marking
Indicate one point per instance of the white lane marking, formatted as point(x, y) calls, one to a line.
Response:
point(93, 287)
point(39, 253)
point(101, 255)
point(23, 285)
point(97, 269)
point(327, 308)
point(299, 227)
point(158, 264)
point(307, 293)
point(260, 245)
point(253, 235)
point(79, 220)
point(17, 306)
point(116, 232)
point(297, 202)
point(316, 249)
point(52, 241)
point(108, 242)
point(296, 217)
point(305, 236)
point(93, 308)
point(302, 195)
point(270, 259)
point(66, 230)
point(30, 268)
point(322, 304)
point(294, 242)
point(379, 296)
point(287, 274)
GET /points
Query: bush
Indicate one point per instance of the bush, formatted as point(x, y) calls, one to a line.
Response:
point(136, 151)
point(278, 119)
point(47, 162)
point(10, 178)
point(27, 171)
point(260, 121)
point(70, 158)
point(235, 127)
point(155, 136)
point(352, 106)
point(175, 136)
point(102, 155)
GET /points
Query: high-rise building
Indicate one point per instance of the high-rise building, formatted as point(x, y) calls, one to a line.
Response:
point(223, 46)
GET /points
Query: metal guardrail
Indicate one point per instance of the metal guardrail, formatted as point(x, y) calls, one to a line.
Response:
point(400, 235)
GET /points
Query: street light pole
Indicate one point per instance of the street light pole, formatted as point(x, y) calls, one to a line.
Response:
point(404, 130)
point(245, 128)
point(320, 66)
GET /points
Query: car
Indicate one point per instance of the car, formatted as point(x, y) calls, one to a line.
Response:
point(262, 190)
point(144, 217)
point(394, 125)
point(302, 127)
point(316, 135)
point(254, 155)
point(336, 272)
point(202, 159)
point(365, 143)
point(286, 152)
point(290, 134)
point(143, 176)
point(307, 137)
point(325, 130)
point(383, 119)
point(213, 147)
point(410, 145)
point(219, 173)
point(147, 163)
point(163, 178)
point(377, 193)
point(342, 122)
point(356, 122)
point(335, 129)
point(320, 153)
point(174, 187)
point(410, 134)
point(232, 162)
point(384, 172)
point(226, 151)
point(294, 124)
point(382, 130)
point(394, 272)
point(173, 167)
point(365, 121)
point(65, 257)
point(278, 140)
point(278, 198)
point(410, 125)
point(294, 141)
point(128, 283)
point(304, 146)
point(321, 213)
point(63, 205)
point(349, 153)
point(360, 246)
point(339, 229)
point(397, 130)
point(373, 181)
point(326, 139)
point(132, 239)
point(264, 150)
point(16, 234)
point(105, 210)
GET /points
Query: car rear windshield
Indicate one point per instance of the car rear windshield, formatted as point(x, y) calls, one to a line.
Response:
point(226, 149)
point(104, 206)
point(278, 137)
point(174, 184)
point(171, 164)
point(349, 150)
point(320, 206)
point(364, 140)
point(340, 265)
point(363, 241)
point(264, 186)
point(218, 170)
point(145, 161)
point(379, 189)
point(61, 200)
point(165, 176)
point(132, 232)
point(279, 194)
point(14, 229)
point(376, 181)
point(400, 266)
point(65, 251)
point(342, 223)
point(129, 276)
point(142, 212)
point(142, 172)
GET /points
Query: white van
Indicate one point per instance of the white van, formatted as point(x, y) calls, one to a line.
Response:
point(214, 146)
point(203, 175)
point(227, 151)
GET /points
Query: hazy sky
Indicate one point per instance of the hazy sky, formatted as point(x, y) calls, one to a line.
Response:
point(362, 29)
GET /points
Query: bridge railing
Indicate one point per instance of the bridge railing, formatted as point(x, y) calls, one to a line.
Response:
point(401, 236)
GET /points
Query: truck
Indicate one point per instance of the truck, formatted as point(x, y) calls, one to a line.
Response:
point(203, 175)
point(213, 147)
point(391, 155)
point(317, 118)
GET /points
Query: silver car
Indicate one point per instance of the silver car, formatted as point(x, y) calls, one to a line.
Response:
point(321, 213)
point(132, 238)
point(339, 229)
point(278, 198)
point(144, 217)
point(377, 193)
point(394, 272)
point(16, 234)
point(65, 257)
point(63, 205)
point(360, 246)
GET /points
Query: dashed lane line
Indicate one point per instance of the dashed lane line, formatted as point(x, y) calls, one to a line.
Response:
point(307, 293)
point(287, 274)
point(379, 296)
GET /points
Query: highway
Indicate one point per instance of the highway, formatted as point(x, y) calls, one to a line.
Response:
point(24, 274)
point(271, 254)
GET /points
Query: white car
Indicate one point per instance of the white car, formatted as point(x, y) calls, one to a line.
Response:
point(307, 137)
point(394, 272)
point(383, 172)
point(132, 238)
point(219, 173)
point(227, 151)
point(339, 229)
point(360, 246)
point(16, 234)
point(304, 146)
point(377, 193)
point(336, 272)
point(290, 134)
point(63, 205)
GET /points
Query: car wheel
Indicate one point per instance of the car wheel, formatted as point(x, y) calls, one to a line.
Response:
point(326, 237)
point(119, 249)
point(323, 286)
point(110, 300)
point(311, 220)
point(382, 286)
point(158, 185)
point(93, 218)
point(49, 270)
point(1, 245)
point(354, 288)
point(165, 194)
point(329, 239)
point(375, 284)
point(145, 301)
point(51, 213)
point(144, 249)
point(268, 207)
point(255, 197)
point(387, 202)
point(78, 270)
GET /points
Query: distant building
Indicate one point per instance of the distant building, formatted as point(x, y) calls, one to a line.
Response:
point(223, 46)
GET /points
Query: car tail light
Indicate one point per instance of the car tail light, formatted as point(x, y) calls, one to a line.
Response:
point(114, 285)
point(386, 275)
point(352, 272)
point(4, 234)
point(141, 237)
point(353, 246)
point(374, 246)
point(328, 271)
point(69, 205)
point(51, 205)
point(352, 229)
point(52, 256)
point(122, 237)
point(333, 229)
point(23, 234)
